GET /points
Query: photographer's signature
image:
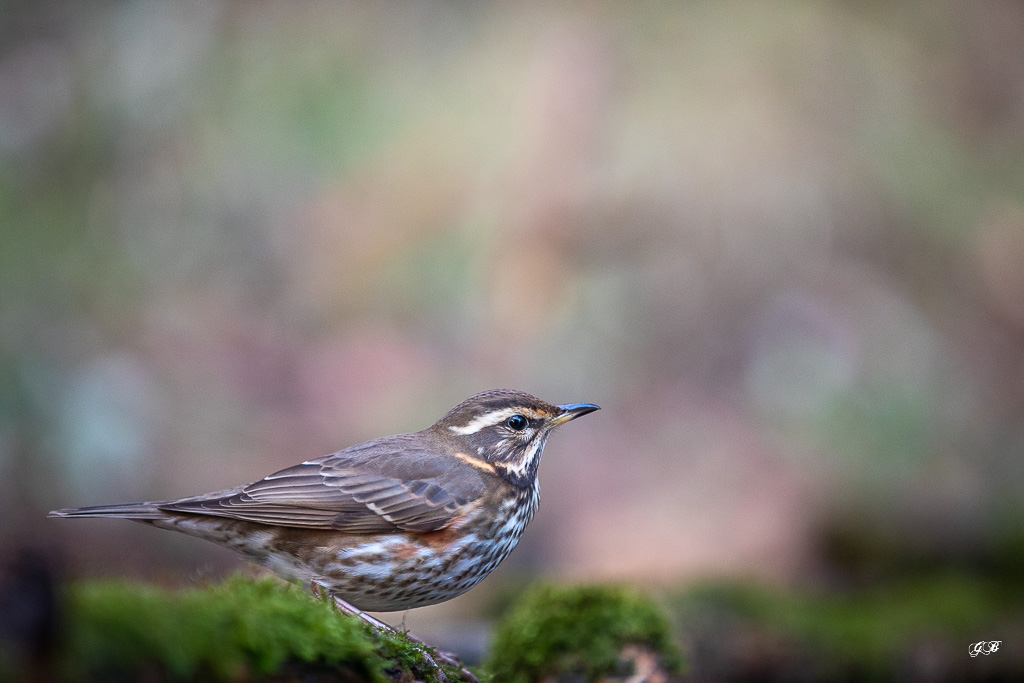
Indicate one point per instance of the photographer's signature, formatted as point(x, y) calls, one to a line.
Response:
point(985, 647)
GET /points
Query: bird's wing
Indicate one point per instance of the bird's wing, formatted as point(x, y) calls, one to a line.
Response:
point(381, 486)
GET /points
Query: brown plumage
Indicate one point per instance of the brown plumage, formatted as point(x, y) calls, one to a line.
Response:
point(397, 522)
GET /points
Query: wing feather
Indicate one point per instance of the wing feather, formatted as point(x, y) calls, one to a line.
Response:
point(381, 486)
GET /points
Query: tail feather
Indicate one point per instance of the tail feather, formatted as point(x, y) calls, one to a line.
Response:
point(122, 510)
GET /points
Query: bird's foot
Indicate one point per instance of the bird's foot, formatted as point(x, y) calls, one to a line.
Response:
point(447, 658)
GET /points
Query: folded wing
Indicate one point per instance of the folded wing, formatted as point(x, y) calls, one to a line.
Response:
point(374, 488)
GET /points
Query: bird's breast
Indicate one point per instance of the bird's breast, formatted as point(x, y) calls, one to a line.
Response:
point(403, 570)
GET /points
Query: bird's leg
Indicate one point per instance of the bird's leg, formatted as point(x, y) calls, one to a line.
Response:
point(345, 608)
point(352, 611)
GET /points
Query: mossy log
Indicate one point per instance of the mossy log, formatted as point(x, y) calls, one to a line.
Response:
point(246, 629)
point(240, 630)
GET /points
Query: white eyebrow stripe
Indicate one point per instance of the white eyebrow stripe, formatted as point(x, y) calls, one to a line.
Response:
point(486, 420)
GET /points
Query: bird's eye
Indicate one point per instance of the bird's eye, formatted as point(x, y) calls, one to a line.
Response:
point(517, 423)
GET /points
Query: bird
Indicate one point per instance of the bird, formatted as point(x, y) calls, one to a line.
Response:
point(395, 523)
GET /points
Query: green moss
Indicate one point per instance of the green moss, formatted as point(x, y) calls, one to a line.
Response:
point(407, 656)
point(238, 629)
point(577, 631)
point(241, 629)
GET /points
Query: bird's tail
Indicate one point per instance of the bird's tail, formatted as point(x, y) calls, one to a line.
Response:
point(122, 510)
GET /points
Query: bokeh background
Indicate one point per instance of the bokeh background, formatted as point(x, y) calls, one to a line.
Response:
point(781, 244)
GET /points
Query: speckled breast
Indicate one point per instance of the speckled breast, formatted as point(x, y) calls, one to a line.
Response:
point(400, 571)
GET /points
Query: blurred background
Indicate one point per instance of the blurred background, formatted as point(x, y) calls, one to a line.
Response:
point(782, 246)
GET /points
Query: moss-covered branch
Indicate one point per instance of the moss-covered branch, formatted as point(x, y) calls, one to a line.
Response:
point(584, 633)
point(262, 629)
point(242, 629)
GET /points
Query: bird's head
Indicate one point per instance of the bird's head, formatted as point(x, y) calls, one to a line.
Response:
point(506, 429)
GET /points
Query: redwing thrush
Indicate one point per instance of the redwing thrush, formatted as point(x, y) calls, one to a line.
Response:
point(397, 522)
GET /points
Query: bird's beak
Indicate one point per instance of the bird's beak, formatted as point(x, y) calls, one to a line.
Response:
point(570, 411)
